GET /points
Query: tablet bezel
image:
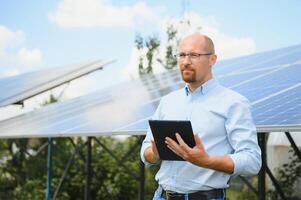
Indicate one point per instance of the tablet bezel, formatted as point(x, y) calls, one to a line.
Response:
point(167, 128)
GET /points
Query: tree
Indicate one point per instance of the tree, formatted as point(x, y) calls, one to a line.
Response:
point(23, 173)
point(287, 176)
point(172, 42)
point(152, 44)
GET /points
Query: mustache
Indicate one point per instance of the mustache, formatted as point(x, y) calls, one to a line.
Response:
point(186, 67)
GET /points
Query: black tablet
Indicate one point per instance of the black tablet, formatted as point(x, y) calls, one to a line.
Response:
point(168, 128)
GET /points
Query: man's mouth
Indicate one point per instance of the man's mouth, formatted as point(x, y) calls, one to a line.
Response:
point(187, 71)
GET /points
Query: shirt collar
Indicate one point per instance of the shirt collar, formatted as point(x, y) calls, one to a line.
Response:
point(203, 89)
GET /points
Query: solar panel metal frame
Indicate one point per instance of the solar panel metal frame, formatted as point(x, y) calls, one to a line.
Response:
point(48, 84)
point(278, 128)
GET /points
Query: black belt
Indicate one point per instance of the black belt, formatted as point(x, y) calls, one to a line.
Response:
point(200, 195)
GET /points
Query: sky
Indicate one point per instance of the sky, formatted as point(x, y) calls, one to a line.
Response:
point(38, 34)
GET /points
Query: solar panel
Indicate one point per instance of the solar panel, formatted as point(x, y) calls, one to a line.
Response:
point(259, 61)
point(103, 111)
point(21, 87)
point(273, 86)
point(266, 84)
point(281, 109)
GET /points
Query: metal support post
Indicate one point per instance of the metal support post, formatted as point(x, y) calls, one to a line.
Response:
point(261, 175)
point(88, 169)
point(276, 184)
point(290, 138)
point(142, 176)
point(49, 170)
point(141, 181)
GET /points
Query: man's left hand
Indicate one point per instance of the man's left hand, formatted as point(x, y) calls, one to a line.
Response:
point(196, 155)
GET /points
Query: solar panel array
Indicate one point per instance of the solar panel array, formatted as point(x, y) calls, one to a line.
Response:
point(270, 80)
point(18, 88)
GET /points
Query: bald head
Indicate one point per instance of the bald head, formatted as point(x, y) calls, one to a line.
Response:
point(204, 41)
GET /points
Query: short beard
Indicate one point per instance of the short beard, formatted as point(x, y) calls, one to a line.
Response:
point(191, 79)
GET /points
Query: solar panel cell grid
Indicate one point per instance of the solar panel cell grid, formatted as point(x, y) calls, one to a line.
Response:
point(282, 109)
point(270, 80)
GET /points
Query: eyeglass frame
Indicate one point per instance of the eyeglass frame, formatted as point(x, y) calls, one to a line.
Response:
point(192, 56)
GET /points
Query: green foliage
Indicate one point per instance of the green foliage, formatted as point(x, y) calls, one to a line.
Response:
point(150, 183)
point(52, 99)
point(239, 189)
point(140, 45)
point(151, 46)
point(18, 172)
point(170, 60)
point(287, 176)
point(23, 174)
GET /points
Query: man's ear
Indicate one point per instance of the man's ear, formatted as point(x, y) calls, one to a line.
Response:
point(213, 59)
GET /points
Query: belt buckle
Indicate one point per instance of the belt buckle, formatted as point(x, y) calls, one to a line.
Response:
point(172, 194)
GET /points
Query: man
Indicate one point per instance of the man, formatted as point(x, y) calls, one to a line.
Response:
point(225, 135)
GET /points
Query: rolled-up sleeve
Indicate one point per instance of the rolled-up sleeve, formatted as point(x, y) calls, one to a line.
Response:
point(149, 136)
point(242, 136)
point(145, 144)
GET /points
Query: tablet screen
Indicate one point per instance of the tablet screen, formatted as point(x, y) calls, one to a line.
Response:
point(168, 128)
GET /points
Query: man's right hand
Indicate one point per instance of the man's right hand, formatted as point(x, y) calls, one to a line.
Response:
point(151, 153)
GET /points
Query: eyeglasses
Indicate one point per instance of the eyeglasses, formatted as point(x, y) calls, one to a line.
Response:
point(191, 56)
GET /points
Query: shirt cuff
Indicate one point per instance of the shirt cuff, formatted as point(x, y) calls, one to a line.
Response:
point(246, 163)
point(143, 148)
point(238, 165)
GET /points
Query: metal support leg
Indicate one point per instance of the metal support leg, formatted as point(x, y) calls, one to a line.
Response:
point(88, 169)
point(131, 151)
point(296, 149)
point(276, 184)
point(129, 171)
point(261, 175)
point(142, 176)
point(141, 181)
point(49, 170)
point(250, 186)
point(71, 160)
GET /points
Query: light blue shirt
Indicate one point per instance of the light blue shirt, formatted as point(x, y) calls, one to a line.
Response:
point(223, 121)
